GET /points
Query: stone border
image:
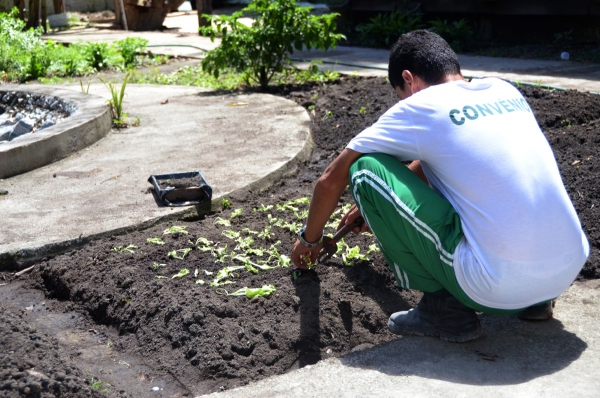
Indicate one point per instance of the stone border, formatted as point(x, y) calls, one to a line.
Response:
point(89, 123)
point(22, 258)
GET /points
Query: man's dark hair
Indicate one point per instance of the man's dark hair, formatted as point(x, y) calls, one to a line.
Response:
point(424, 54)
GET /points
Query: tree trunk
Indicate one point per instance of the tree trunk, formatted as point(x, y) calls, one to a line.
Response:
point(118, 13)
point(34, 14)
point(204, 7)
point(59, 6)
point(44, 15)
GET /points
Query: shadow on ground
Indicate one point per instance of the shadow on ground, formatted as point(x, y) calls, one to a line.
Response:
point(513, 352)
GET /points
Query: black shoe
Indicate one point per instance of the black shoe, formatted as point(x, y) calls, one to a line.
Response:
point(440, 315)
point(541, 312)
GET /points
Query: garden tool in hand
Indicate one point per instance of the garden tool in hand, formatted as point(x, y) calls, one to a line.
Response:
point(330, 244)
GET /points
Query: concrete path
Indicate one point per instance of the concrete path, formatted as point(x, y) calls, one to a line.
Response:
point(234, 140)
point(557, 358)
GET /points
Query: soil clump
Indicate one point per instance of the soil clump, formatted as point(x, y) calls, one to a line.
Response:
point(210, 341)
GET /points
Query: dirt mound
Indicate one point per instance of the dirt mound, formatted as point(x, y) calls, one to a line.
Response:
point(210, 341)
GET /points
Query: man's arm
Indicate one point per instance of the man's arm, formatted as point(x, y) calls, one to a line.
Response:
point(327, 193)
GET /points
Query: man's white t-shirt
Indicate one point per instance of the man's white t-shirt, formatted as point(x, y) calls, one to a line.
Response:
point(481, 148)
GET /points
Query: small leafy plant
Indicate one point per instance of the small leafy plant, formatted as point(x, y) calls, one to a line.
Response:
point(181, 273)
point(129, 49)
point(222, 222)
point(180, 253)
point(175, 229)
point(264, 291)
point(123, 249)
point(156, 241)
point(383, 30)
point(236, 213)
point(225, 203)
point(263, 49)
point(116, 101)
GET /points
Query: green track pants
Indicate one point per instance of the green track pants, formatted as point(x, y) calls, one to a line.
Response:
point(417, 229)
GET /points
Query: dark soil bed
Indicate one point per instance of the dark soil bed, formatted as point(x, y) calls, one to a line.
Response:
point(212, 341)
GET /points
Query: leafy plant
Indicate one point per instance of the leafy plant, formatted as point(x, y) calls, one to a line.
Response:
point(123, 249)
point(225, 203)
point(116, 101)
point(129, 48)
point(222, 222)
point(175, 229)
point(161, 277)
point(352, 253)
point(263, 208)
point(225, 273)
point(156, 265)
point(263, 49)
point(98, 55)
point(456, 33)
point(181, 273)
point(175, 253)
point(99, 385)
point(265, 234)
point(156, 241)
point(236, 213)
point(204, 244)
point(244, 243)
point(362, 110)
point(264, 291)
point(230, 234)
point(383, 30)
point(293, 227)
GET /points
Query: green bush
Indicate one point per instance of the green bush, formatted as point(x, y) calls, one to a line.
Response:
point(456, 33)
point(129, 48)
point(383, 30)
point(262, 50)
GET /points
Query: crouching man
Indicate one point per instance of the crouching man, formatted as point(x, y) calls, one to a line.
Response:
point(479, 220)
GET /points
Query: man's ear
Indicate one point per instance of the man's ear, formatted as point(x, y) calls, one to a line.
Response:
point(408, 80)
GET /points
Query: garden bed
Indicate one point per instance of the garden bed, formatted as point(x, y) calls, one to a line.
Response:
point(210, 341)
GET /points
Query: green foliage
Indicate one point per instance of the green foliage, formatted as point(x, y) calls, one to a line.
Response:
point(116, 101)
point(175, 229)
point(456, 33)
point(236, 213)
point(124, 249)
point(179, 254)
point(99, 55)
point(181, 273)
point(225, 203)
point(383, 30)
point(262, 50)
point(129, 48)
point(156, 241)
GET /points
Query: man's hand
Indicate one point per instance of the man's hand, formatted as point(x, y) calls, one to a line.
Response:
point(349, 218)
point(301, 255)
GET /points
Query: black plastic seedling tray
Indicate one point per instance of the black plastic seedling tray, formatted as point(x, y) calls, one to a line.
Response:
point(170, 191)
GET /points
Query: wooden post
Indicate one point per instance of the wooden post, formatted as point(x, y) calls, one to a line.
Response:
point(44, 16)
point(204, 7)
point(20, 4)
point(59, 6)
point(118, 13)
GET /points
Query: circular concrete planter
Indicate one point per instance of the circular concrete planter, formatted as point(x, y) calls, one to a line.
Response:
point(90, 122)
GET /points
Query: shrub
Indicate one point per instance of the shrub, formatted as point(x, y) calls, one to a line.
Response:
point(129, 48)
point(383, 30)
point(263, 49)
point(17, 47)
point(456, 33)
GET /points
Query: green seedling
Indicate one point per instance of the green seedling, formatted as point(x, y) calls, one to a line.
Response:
point(181, 274)
point(352, 253)
point(156, 265)
point(373, 249)
point(220, 253)
point(293, 227)
point(116, 101)
point(230, 234)
point(126, 300)
point(328, 115)
point(123, 249)
point(175, 253)
point(236, 213)
point(286, 206)
point(222, 222)
point(161, 277)
point(196, 273)
point(98, 385)
point(302, 215)
point(309, 264)
point(200, 282)
point(283, 260)
point(263, 208)
point(249, 231)
point(265, 234)
point(311, 108)
point(244, 244)
point(208, 272)
point(296, 274)
point(255, 252)
point(204, 244)
point(175, 229)
point(225, 203)
point(264, 291)
point(156, 241)
point(362, 110)
point(225, 273)
point(301, 201)
point(272, 220)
